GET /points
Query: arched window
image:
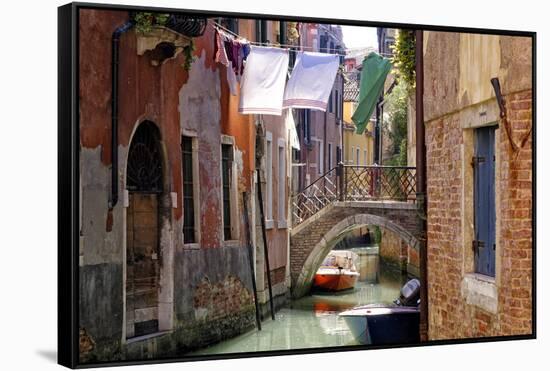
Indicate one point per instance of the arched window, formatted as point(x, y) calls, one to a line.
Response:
point(144, 173)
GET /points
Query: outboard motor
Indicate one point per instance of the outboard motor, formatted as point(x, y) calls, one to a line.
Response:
point(410, 294)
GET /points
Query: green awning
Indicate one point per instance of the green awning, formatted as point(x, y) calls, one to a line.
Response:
point(373, 75)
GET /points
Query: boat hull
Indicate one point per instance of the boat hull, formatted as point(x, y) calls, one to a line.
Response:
point(335, 282)
point(383, 325)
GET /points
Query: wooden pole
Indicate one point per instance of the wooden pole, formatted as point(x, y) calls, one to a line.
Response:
point(266, 252)
point(251, 260)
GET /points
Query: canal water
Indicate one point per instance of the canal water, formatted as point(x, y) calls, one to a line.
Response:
point(312, 321)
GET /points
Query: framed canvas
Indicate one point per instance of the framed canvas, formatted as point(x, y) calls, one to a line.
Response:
point(240, 185)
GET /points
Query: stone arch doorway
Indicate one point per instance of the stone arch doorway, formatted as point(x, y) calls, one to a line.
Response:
point(334, 235)
point(145, 187)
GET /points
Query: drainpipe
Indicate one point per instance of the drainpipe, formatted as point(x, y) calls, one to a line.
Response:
point(377, 135)
point(342, 122)
point(114, 109)
point(421, 197)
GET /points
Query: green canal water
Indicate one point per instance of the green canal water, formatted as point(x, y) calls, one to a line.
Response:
point(312, 321)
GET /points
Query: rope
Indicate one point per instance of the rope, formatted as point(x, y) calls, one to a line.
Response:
point(292, 48)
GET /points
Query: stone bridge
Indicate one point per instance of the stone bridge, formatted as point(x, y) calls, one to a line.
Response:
point(346, 198)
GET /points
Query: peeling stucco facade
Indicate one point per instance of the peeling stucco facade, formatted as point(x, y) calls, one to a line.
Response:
point(205, 288)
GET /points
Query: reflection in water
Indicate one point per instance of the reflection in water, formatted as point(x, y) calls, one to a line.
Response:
point(312, 321)
point(367, 265)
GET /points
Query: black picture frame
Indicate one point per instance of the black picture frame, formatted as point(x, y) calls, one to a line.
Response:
point(68, 181)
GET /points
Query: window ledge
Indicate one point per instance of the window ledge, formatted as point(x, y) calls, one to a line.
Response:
point(269, 224)
point(231, 243)
point(481, 291)
point(282, 224)
point(192, 246)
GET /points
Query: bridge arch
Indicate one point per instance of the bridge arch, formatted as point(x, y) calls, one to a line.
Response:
point(312, 240)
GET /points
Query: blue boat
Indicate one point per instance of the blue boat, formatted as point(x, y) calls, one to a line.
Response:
point(386, 324)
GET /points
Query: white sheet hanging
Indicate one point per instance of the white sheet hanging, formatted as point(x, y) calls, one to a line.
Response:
point(311, 81)
point(263, 81)
point(291, 129)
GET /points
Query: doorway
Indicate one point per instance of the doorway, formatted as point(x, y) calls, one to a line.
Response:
point(144, 184)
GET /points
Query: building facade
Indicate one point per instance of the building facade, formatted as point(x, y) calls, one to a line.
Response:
point(320, 133)
point(358, 148)
point(165, 268)
point(479, 186)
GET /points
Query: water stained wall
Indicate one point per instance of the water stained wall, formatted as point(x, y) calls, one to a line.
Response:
point(205, 292)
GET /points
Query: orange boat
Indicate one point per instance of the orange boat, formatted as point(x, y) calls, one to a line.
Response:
point(337, 272)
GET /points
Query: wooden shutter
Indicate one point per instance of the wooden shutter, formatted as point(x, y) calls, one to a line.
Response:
point(227, 159)
point(484, 201)
point(188, 201)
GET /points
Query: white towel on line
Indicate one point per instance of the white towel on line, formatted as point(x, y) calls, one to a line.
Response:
point(291, 129)
point(263, 81)
point(311, 81)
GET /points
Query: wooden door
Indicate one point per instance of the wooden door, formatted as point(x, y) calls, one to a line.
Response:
point(142, 264)
point(484, 201)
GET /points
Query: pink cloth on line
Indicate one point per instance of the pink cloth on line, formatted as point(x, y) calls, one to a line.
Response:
point(221, 56)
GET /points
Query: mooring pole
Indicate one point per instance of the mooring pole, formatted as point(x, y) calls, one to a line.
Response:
point(251, 260)
point(266, 252)
point(421, 196)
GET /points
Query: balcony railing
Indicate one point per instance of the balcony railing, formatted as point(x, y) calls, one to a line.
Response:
point(354, 183)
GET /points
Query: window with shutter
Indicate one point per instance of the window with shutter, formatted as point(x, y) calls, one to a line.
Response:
point(329, 149)
point(188, 200)
point(323, 43)
point(227, 159)
point(261, 31)
point(307, 128)
point(483, 162)
point(232, 24)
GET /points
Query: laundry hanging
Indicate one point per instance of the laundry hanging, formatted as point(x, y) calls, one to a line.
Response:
point(263, 81)
point(311, 81)
point(231, 53)
point(373, 76)
point(291, 129)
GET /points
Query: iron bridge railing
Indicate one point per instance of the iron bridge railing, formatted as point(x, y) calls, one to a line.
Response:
point(354, 183)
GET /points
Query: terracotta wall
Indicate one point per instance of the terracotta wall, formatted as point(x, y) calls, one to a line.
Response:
point(176, 100)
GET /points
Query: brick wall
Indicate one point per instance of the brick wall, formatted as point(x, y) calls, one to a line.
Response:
point(450, 316)
point(311, 240)
point(444, 239)
point(220, 299)
point(277, 275)
point(393, 250)
point(516, 220)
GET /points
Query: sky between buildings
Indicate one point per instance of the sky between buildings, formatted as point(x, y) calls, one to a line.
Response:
point(359, 37)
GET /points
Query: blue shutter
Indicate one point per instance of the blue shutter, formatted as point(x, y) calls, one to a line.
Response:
point(484, 201)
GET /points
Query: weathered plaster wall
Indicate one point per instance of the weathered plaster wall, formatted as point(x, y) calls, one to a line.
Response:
point(199, 113)
point(174, 100)
point(458, 68)
point(277, 235)
point(458, 98)
point(441, 69)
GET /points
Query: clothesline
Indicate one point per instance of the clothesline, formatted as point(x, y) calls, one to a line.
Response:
point(292, 48)
point(265, 84)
